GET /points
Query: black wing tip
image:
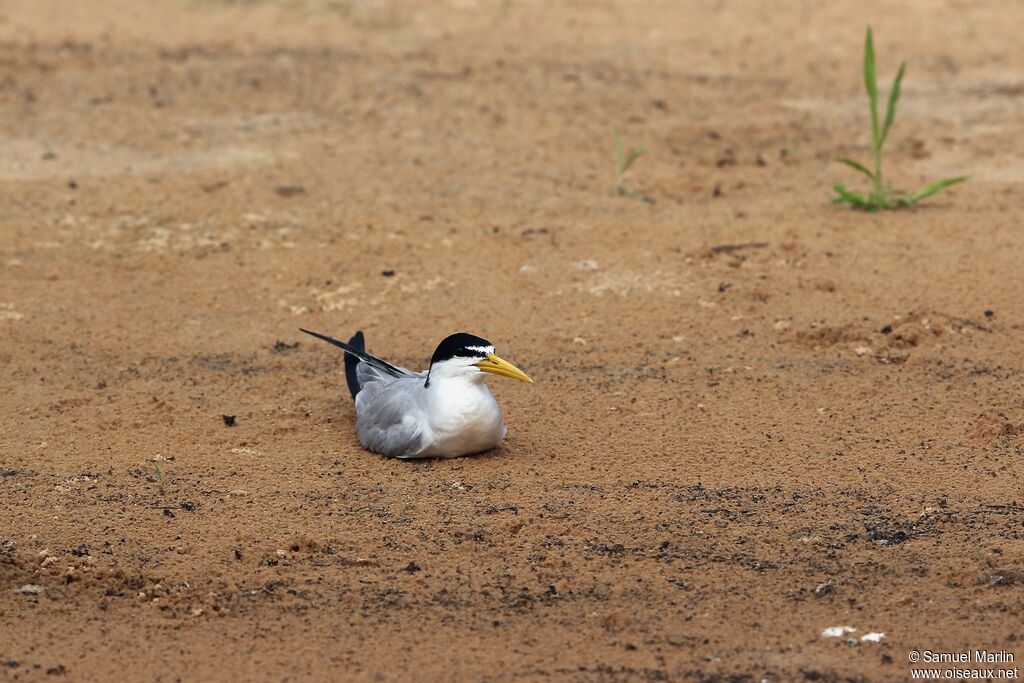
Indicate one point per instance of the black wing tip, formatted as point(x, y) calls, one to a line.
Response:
point(330, 340)
point(356, 343)
point(354, 354)
point(355, 350)
point(314, 334)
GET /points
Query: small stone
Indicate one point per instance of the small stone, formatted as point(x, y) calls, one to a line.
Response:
point(30, 589)
point(837, 631)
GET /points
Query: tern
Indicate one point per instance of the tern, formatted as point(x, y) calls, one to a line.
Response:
point(445, 412)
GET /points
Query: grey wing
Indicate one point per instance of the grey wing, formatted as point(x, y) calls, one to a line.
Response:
point(389, 417)
point(369, 374)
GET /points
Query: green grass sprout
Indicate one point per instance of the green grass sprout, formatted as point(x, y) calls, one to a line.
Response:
point(623, 162)
point(882, 196)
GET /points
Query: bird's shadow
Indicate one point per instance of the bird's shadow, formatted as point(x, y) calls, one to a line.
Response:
point(498, 451)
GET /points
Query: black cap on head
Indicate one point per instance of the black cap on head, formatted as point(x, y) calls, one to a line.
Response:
point(461, 345)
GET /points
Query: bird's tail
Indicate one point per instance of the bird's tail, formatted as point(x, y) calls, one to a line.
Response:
point(358, 343)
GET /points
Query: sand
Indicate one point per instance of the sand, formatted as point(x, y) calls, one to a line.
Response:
point(756, 415)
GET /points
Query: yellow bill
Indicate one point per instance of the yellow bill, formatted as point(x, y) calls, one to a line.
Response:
point(499, 366)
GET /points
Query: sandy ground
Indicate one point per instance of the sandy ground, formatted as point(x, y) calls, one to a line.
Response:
point(755, 415)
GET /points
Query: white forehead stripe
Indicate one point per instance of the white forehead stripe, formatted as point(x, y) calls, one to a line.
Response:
point(481, 349)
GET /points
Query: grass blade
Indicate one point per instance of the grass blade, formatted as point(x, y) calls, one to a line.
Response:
point(620, 154)
point(845, 196)
point(634, 154)
point(871, 83)
point(890, 109)
point(930, 189)
point(857, 166)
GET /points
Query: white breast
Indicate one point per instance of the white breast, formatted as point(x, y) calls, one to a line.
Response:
point(462, 418)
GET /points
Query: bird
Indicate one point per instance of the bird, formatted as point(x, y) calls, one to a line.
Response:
point(446, 411)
